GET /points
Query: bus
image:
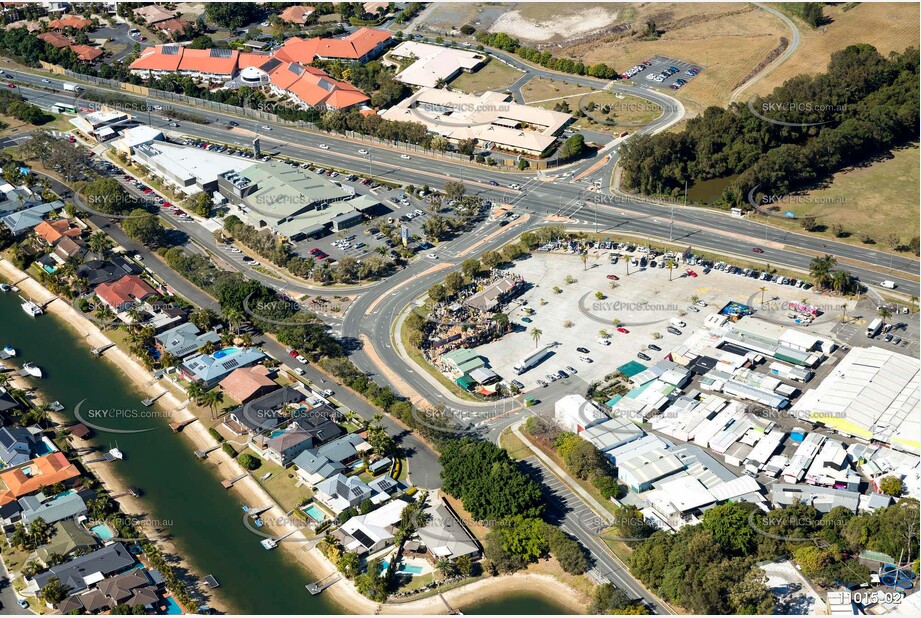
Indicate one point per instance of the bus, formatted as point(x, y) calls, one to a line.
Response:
point(63, 108)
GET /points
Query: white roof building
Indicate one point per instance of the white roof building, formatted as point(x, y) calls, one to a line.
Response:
point(135, 136)
point(433, 63)
point(635, 448)
point(872, 394)
point(374, 530)
point(612, 433)
point(803, 457)
point(575, 413)
point(491, 117)
point(763, 451)
point(640, 472)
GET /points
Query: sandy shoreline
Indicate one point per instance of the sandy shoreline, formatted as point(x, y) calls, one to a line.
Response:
point(343, 594)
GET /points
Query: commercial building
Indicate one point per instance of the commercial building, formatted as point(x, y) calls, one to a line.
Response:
point(611, 433)
point(575, 413)
point(873, 394)
point(823, 499)
point(290, 201)
point(134, 137)
point(492, 118)
point(101, 124)
point(433, 65)
point(641, 471)
point(189, 170)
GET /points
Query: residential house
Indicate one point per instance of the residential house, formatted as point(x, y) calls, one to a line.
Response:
point(304, 433)
point(371, 532)
point(7, 403)
point(67, 505)
point(55, 39)
point(17, 445)
point(444, 536)
point(87, 53)
point(81, 572)
point(330, 459)
point(268, 411)
point(210, 369)
point(185, 339)
point(174, 28)
point(20, 222)
point(247, 383)
point(68, 536)
point(41, 472)
point(71, 21)
point(124, 293)
point(340, 492)
point(69, 249)
point(97, 272)
point(153, 14)
point(16, 198)
point(296, 14)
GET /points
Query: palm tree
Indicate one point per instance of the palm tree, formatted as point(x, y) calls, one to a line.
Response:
point(844, 311)
point(213, 398)
point(603, 333)
point(670, 264)
point(840, 281)
point(695, 298)
point(535, 335)
point(195, 391)
point(584, 257)
point(914, 302)
point(884, 312)
point(763, 290)
point(202, 318)
point(99, 243)
point(234, 317)
point(820, 268)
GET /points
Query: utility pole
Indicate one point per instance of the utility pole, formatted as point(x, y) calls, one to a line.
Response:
point(370, 175)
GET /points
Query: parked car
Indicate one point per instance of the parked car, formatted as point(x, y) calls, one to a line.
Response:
point(328, 392)
point(571, 369)
point(701, 303)
point(613, 277)
point(542, 383)
point(644, 357)
point(586, 359)
point(654, 347)
point(527, 320)
point(673, 330)
point(582, 350)
point(622, 330)
point(301, 359)
point(517, 385)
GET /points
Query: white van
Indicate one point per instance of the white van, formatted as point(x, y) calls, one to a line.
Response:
point(603, 341)
point(888, 284)
point(677, 323)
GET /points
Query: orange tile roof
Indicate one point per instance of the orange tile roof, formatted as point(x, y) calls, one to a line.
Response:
point(53, 231)
point(86, 52)
point(128, 289)
point(218, 61)
point(71, 21)
point(245, 382)
point(352, 47)
point(173, 26)
point(296, 14)
point(54, 38)
point(314, 87)
point(42, 471)
point(159, 58)
point(251, 59)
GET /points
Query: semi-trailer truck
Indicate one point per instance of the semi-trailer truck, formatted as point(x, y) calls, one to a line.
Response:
point(532, 359)
point(72, 87)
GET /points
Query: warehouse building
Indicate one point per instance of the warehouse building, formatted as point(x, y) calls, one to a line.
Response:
point(189, 170)
point(873, 394)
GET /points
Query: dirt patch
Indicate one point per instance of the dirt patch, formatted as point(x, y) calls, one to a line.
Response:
point(544, 22)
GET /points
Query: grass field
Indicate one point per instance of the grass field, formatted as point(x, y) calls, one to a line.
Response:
point(728, 40)
point(887, 26)
point(280, 486)
point(878, 200)
point(539, 89)
point(494, 75)
point(628, 112)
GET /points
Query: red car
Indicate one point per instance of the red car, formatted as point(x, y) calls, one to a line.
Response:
point(167, 205)
point(11, 85)
point(623, 330)
point(757, 249)
point(613, 277)
point(691, 273)
point(292, 353)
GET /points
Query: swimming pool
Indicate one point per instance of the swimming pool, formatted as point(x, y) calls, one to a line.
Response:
point(172, 607)
point(406, 569)
point(314, 512)
point(225, 352)
point(44, 447)
point(103, 531)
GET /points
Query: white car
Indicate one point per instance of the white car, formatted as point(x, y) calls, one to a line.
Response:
point(515, 186)
point(362, 151)
point(299, 371)
point(235, 250)
point(407, 157)
point(701, 303)
point(328, 392)
point(432, 256)
point(266, 127)
point(46, 81)
point(324, 146)
point(301, 359)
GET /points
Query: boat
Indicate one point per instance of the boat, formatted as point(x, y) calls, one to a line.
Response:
point(10, 351)
point(115, 453)
point(56, 406)
point(258, 521)
point(31, 308)
point(135, 492)
point(4, 287)
point(268, 543)
point(32, 370)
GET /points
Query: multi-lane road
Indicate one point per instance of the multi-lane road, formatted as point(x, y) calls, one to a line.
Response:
point(378, 305)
